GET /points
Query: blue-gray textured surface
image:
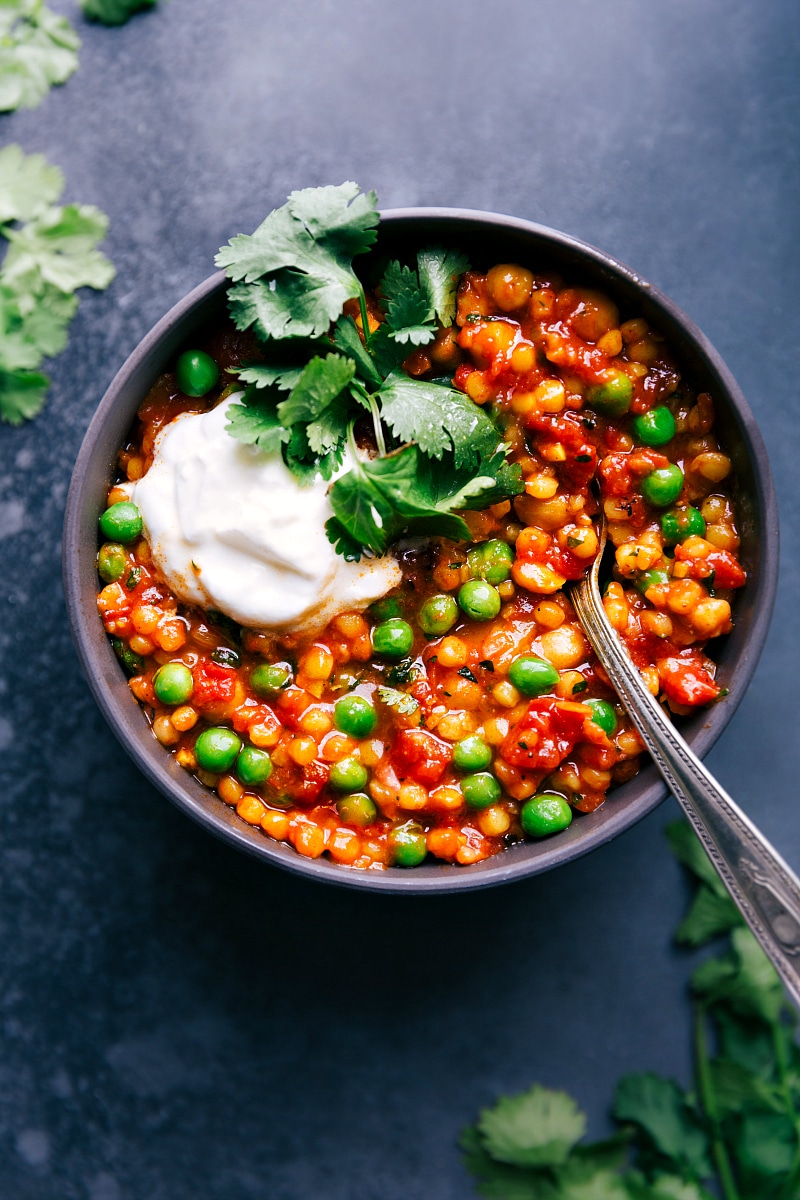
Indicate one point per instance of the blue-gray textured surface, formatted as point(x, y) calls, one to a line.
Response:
point(177, 1021)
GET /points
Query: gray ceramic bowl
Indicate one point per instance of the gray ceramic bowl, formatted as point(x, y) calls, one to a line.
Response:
point(487, 238)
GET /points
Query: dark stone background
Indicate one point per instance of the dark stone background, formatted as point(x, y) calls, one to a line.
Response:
point(177, 1021)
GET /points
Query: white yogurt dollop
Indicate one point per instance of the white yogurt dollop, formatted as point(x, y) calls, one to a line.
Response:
point(231, 530)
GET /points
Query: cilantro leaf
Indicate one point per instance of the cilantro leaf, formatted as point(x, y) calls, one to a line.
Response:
point(659, 1108)
point(767, 1143)
point(536, 1128)
point(379, 499)
point(746, 1042)
point(32, 327)
point(438, 419)
point(60, 244)
point(38, 49)
point(114, 12)
point(342, 541)
point(709, 916)
point(500, 1181)
point(439, 270)
point(347, 339)
point(256, 423)
point(745, 980)
point(22, 394)
point(262, 375)
point(49, 256)
point(28, 183)
point(296, 267)
point(320, 400)
point(737, 1090)
point(304, 464)
point(401, 702)
point(409, 312)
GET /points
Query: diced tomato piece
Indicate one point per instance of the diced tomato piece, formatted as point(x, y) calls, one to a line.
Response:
point(724, 566)
point(213, 684)
point(315, 776)
point(251, 714)
point(421, 756)
point(545, 735)
point(686, 680)
point(291, 705)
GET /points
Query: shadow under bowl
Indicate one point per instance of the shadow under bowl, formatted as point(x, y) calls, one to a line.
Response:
point(486, 238)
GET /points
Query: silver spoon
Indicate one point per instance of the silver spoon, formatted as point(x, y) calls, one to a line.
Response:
point(764, 889)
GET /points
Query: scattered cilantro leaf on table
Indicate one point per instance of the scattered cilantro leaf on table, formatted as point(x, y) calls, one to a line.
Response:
point(736, 1134)
point(38, 49)
point(52, 252)
point(114, 12)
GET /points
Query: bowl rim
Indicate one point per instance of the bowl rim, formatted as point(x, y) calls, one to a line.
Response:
point(127, 720)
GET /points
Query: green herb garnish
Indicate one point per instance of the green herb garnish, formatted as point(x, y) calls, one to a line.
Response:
point(437, 451)
point(38, 49)
point(114, 12)
point(51, 254)
point(401, 702)
point(736, 1134)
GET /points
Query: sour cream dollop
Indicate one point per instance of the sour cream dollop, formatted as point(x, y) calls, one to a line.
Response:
point(230, 529)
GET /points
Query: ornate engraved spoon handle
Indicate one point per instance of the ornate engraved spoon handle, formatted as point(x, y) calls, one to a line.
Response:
point(763, 887)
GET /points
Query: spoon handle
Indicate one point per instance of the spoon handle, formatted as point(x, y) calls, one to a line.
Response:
point(765, 890)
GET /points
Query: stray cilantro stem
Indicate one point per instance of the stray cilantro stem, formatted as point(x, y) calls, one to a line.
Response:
point(377, 425)
point(709, 1101)
point(362, 304)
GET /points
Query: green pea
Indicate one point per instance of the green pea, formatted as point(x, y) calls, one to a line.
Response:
point(481, 790)
point(122, 522)
point(173, 683)
point(613, 397)
point(267, 679)
point(132, 662)
point(680, 523)
point(112, 561)
point(603, 715)
point(253, 766)
point(217, 749)
point(355, 716)
point(393, 638)
point(472, 754)
point(357, 809)
point(407, 845)
point(479, 600)
point(545, 814)
point(382, 610)
point(348, 775)
point(651, 579)
point(654, 428)
point(532, 676)
point(491, 561)
point(663, 486)
point(437, 615)
point(196, 373)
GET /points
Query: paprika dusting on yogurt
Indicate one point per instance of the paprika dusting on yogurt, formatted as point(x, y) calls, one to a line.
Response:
point(334, 559)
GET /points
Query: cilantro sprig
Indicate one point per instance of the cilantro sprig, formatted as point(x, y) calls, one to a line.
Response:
point(38, 49)
point(735, 1134)
point(437, 452)
point(52, 252)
